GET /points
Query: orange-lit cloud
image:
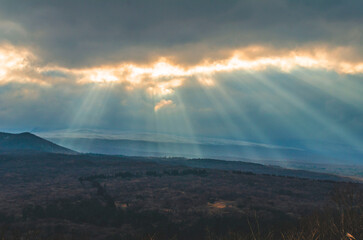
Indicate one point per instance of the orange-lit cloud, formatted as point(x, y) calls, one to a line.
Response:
point(163, 76)
point(18, 64)
point(162, 104)
point(254, 58)
point(12, 61)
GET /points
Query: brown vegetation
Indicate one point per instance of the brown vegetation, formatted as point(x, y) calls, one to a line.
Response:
point(100, 197)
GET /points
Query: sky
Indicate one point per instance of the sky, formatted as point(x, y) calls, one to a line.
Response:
point(269, 71)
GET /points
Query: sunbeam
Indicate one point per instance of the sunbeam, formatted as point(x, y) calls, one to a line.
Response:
point(246, 121)
point(234, 130)
point(90, 111)
point(313, 114)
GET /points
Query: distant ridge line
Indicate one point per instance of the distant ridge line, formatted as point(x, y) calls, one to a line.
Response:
point(29, 142)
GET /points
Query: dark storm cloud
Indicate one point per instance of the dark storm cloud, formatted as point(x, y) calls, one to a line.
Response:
point(80, 33)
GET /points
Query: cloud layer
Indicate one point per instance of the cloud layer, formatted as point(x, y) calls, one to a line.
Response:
point(75, 33)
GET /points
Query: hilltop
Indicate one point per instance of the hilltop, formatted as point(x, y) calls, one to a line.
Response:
point(28, 142)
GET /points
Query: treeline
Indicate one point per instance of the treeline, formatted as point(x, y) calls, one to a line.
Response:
point(342, 219)
point(93, 211)
point(127, 174)
point(155, 223)
point(177, 172)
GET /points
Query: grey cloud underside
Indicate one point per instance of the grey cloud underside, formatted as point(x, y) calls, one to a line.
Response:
point(79, 33)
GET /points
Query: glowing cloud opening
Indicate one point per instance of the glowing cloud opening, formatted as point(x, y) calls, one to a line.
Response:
point(163, 76)
point(162, 104)
point(163, 72)
point(12, 62)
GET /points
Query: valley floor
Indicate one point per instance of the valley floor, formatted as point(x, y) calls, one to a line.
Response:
point(55, 196)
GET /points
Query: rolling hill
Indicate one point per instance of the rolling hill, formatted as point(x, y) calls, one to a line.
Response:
point(28, 142)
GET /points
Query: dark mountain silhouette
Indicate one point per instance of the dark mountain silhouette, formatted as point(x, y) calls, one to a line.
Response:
point(29, 142)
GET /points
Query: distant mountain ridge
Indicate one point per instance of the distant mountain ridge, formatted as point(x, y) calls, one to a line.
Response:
point(29, 142)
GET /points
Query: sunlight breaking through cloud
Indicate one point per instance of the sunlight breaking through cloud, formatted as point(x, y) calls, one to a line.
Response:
point(159, 77)
point(163, 76)
point(12, 62)
point(163, 103)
